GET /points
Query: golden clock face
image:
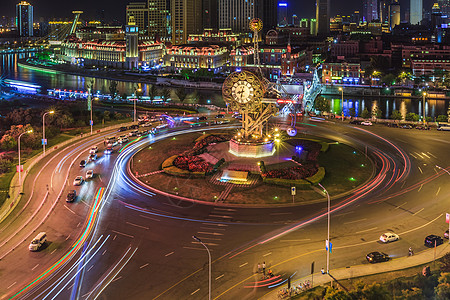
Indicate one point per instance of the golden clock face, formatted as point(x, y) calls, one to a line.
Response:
point(242, 91)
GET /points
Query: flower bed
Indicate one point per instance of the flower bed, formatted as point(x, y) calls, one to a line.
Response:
point(202, 143)
point(292, 173)
point(192, 164)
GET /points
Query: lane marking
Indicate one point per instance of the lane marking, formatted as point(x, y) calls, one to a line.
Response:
point(431, 154)
point(90, 268)
point(147, 217)
point(439, 189)
point(67, 237)
point(356, 221)
point(220, 276)
point(367, 230)
point(136, 225)
point(223, 229)
point(69, 209)
point(418, 211)
point(214, 224)
point(53, 251)
point(143, 266)
point(209, 244)
point(278, 214)
point(115, 279)
point(195, 291)
point(413, 155)
point(169, 254)
point(420, 187)
point(85, 203)
point(220, 216)
point(131, 236)
point(420, 170)
point(243, 265)
point(11, 285)
point(403, 184)
point(224, 209)
point(209, 238)
point(34, 267)
point(267, 254)
point(103, 252)
point(400, 205)
point(212, 233)
point(343, 214)
point(192, 248)
point(425, 155)
point(418, 154)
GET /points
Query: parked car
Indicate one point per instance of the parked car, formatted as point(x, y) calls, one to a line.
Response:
point(83, 163)
point(407, 126)
point(203, 118)
point(220, 116)
point(38, 241)
point(421, 127)
point(389, 237)
point(355, 122)
point(133, 126)
point(366, 123)
point(133, 133)
point(109, 150)
point(144, 132)
point(90, 174)
point(395, 125)
point(92, 157)
point(374, 257)
point(123, 139)
point(122, 129)
point(147, 124)
point(93, 150)
point(78, 180)
point(444, 128)
point(432, 240)
point(71, 196)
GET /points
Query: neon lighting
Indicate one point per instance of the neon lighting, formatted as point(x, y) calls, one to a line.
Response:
point(282, 4)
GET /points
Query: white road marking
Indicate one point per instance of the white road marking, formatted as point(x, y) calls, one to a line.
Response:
point(243, 265)
point(150, 218)
point(219, 216)
point(169, 254)
point(192, 248)
point(413, 155)
point(403, 184)
point(114, 238)
point(85, 203)
point(439, 189)
point(136, 225)
point(420, 187)
point(103, 252)
point(302, 240)
point(223, 229)
point(276, 214)
point(431, 154)
point(115, 279)
point(195, 291)
point(343, 214)
point(435, 171)
point(418, 154)
point(212, 233)
point(209, 244)
point(78, 225)
point(100, 177)
point(356, 221)
point(53, 251)
point(418, 211)
point(34, 267)
point(400, 205)
point(131, 236)
point(220, 276)
point(90, 268)
point(424, 154)
point(67, 237)
point(69, 209)
point(224, 209)
point(70, 287)
point(143, 266)
point(209, 238)
point(11, 285)
point(420, 170)
point(215, 224)
point(267, 254)
point(367, 230)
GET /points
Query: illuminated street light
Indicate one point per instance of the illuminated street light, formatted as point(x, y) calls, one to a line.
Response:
point(328, 235)
point(44, 142)
point(209, 257)
point(342, 101)
point(135, 99)
point(20, 167)
point(423, 106)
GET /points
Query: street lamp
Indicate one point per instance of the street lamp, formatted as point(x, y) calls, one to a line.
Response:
point(423, 106)
point(135, 99)
point(209, 257)
point(43, 129)
point(20, 167)
point(328, 234)
point(342, 100)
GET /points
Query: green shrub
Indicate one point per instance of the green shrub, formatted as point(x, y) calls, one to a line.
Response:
point(318, 177)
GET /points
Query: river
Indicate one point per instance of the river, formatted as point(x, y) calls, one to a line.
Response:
point(10, 69)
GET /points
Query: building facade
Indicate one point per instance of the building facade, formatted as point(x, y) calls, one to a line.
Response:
point(24, 19)
point(341, 73)
point(416, 11)
point(186, 19)
point(210, 14)
point(394, 14)
point(159, 22)
point(370, 10)
point(322, 17)
point(211, 57)
point(138, 11)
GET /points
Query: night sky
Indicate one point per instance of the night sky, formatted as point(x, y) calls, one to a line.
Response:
point(115, 9)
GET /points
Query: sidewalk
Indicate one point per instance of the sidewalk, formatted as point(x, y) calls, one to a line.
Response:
point(424, 257)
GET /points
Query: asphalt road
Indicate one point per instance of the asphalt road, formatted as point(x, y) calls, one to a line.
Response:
point(141, 245)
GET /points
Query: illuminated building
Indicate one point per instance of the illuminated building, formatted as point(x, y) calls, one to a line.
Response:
point(384, 11)
point(211, 57)
point(210, 14)
point(341, 72)
point(186, 17)
point(323, 17)
point(394, 14)
point(416, 7)
point(107, 33)
point(131, 44)
point(24, 19)
point(221, 36)
point(295, 20)
point(282, 14)
point(370, 10)
point(159, 23)
point(139, 12)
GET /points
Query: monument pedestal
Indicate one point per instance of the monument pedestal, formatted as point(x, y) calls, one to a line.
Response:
point(251, 149)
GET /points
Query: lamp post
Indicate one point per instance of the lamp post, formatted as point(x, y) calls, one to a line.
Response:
point(423, 106)
point(135, 99)
point(209, 257)
point(43, 129)
point(328, 234)
point(20, 167)
point(341, 89)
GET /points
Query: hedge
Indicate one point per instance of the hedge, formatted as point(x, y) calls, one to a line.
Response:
point(170, 169)
point(300, 184)
point(318, 177)
point(169, 162)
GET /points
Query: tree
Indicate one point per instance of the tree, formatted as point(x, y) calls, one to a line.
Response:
point(365, 113)
point(441, 118)
point(388, 79)
point(181, 94)
point(396, 115)
point(375, 291)
point(64, 120)
point(322, 105)
point(106, 115)
point(113, 89)
point(412, 117)
point(445, 263)
point(412, 294)
point(165, 94)
point(352, 112)
point(334, 294)
point(152, 92)
point(442, 291)
point(377, 113)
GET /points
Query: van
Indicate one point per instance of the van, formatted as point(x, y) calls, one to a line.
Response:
point(38, 241)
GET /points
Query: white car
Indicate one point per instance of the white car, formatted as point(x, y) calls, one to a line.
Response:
point(93, 150)
point(366, 123)
point(78, 180)
point(389, 237)
point(89, 174)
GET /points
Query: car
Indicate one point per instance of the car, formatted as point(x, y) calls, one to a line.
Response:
point(446, 234)
point(433, 240)
point(92, 157)
point(395, 125)
point(133, 126)
point(123, 139)
point(147, 124)
point(133, 133)
point(366, 123)
point(93, 150)
point(83, 163)
point(71, 196)
point(38, 241)
point(421, 127)
point(355, 122)
point(78, 180)
point(374, 257)
point(444, 128)
point(122, 129)
point(407, 126)
point(90, 174)
point(389, 237)
point(220, 116)
point(223, 121)
point(144, 132)
point(109, 150)
point(203, 118)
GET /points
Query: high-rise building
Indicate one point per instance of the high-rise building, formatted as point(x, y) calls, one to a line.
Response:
point(282, 14)
point(355, 17)
point(137, 13)
point(394, 14)
point(159, 23)
point(323, 16)
point(131, 40)
point(416, 11)
point(24, 18)
point(370, 10)
point(186, 17)
point(444, 6)
point(295, 20)
point(384, 11)
point(210, 14)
